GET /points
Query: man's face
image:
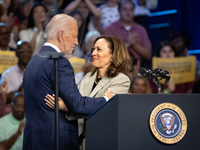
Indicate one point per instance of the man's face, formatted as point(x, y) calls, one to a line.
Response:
point(4, 36)
point(18, 108)
point(24, 53)
point(126, 11)
point(70, 40)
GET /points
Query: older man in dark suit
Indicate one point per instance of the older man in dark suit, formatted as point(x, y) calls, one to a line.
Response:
point(61, 33)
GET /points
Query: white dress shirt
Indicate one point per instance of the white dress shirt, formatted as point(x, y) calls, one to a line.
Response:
point(14, 77)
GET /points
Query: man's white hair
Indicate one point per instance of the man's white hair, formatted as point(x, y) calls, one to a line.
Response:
point(59, 22)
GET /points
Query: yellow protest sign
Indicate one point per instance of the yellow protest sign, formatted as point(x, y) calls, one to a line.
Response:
point(181, 69)
point(7, 60)
point(77, 63)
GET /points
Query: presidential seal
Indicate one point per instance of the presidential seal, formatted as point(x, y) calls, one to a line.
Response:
point(168, 123)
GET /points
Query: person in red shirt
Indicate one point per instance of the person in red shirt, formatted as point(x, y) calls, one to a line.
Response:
point(134, 35)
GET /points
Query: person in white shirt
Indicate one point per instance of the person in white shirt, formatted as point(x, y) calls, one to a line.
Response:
point(35, 32)
point(14, 75)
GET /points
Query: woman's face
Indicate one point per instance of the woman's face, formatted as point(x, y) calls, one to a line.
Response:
point(101, 56)
point(78, 19)
point(139, 86)
point(6, 3)
point(39, 14)
point(167, 52)
point(26, 9)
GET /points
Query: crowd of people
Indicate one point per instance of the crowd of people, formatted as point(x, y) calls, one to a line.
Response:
point(113, 44)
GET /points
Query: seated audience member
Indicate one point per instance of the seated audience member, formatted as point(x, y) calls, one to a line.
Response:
point(112, 64)
point(4, 38)
point(133, 34)
point(140, 85)
point(35, 32)
point(8, 19)
point(181, 41)
point(167, 50)
point(13, 75)
point(21, 16)
point(12, 125)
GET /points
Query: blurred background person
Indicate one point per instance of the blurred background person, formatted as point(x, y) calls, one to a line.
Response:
point(35, 32)
point(167, 50)
point(140, 85)
point(79, 6)
point(21, 16)
point(8, 19)
point(134, 35)
point(104, 15)
point(5, 38)
point(12, 125)
point(14, 75)
point(181, 41)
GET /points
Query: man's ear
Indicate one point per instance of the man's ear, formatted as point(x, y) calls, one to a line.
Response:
point(60, 35)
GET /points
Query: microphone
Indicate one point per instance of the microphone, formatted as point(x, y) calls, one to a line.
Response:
point(162, 73)
point(147, 72)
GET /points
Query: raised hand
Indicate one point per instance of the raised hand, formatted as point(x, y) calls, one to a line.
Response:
point(21, 127)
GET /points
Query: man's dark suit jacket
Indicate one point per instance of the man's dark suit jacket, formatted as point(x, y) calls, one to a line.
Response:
point(39, 133)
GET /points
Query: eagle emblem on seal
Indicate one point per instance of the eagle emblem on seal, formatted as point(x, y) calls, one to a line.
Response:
point(167, 120)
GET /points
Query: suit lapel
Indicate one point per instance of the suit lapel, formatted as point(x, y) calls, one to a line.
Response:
point(99, 86)
point(89, 84)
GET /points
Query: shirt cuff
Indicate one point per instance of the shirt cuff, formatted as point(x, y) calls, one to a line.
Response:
point(107, 99)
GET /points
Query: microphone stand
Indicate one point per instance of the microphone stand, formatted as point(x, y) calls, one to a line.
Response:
point(158, 85)
point(55, 56)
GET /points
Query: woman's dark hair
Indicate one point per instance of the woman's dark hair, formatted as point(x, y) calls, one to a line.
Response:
point(183, 35)
point(163, 44)
point(121, 61)
point(11, 7)
point(31, 22)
